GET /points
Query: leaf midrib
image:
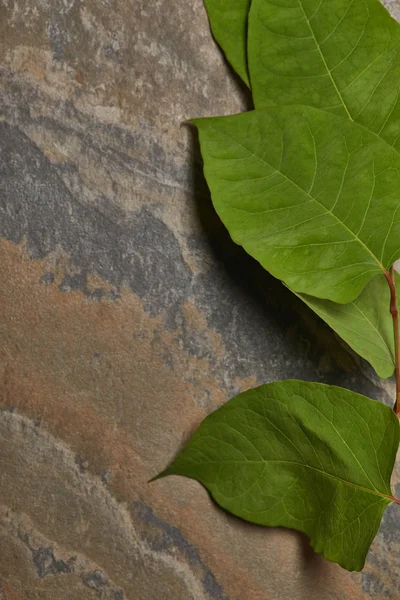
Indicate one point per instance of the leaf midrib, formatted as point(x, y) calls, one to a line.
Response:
point(329, 72)
point(278, 170)
point(343, 103)
point(324, 61)
point(289, 462)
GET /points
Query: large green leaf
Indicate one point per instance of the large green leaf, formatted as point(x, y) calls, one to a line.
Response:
point(337, 55)
point(365, 324)
point(307, 456)
point(228, 20)
point(312, 196)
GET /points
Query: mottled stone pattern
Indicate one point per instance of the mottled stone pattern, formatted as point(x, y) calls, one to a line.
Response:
point(127, 315)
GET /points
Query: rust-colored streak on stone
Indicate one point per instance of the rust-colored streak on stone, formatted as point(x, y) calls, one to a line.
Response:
point(77, 367)
point(71, 361)
point(51, 372)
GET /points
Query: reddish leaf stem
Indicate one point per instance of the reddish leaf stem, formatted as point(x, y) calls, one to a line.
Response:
point(395, 315)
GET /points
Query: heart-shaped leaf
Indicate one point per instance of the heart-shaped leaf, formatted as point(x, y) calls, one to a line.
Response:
point(307, 456)
point(310, 195)
point(365, 324)
point(337, 55)
point(228, 20)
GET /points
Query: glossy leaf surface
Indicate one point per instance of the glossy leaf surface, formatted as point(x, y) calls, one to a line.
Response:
point(338, 55)
point(307, 456)
point(364, 324)
point(312, 196)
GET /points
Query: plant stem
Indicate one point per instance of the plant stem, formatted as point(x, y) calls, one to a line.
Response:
point(395, 315)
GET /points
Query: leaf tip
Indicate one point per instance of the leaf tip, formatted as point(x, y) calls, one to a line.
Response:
point(164, 473)
point(158, 476)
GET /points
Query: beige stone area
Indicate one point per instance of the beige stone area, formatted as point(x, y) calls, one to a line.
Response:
point(126, 316)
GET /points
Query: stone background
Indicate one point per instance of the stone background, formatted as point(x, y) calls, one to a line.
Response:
point(127, 315)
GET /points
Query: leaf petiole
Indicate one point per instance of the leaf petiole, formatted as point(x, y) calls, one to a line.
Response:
point(395, 315)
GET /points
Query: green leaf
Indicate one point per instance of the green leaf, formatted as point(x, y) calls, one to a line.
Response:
point(307, 456)
point(312, 196)
point(228, 20)
point(365, 324)
point(337, 55)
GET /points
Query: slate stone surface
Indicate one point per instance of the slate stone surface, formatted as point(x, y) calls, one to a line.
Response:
point(127, 315)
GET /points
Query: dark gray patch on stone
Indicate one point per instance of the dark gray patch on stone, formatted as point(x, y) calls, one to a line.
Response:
point(95, 580)
point(114, 295)
point(97, 294)
point(371, 585)
point(140, 252)
point(47, 278)
point(374, 587)
point(46, 563)
point(118, 595)
point(161, 277)
point(161, 349)
point(170, 536)
point(212, 587)
point(73, 282)
point(105, 477)
point(167, 538)
point(111, 53)
point(253, 330)
point(389, 527)
point(82, 463)
point(56, 37)
point(259, 322)
point(248, 331)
